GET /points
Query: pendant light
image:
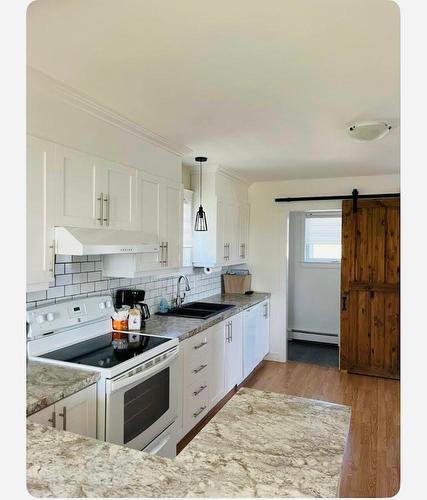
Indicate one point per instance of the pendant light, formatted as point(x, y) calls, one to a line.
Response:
point(201, 223)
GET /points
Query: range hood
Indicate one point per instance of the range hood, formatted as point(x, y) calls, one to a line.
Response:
point(83, 241)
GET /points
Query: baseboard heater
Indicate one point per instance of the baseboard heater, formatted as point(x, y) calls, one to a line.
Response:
point(311, 336)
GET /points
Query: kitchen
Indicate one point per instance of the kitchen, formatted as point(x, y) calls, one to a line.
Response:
point(157, 277)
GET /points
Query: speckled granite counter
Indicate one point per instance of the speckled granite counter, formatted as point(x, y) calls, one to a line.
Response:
point(48, 383)
point(183, 328)
point(259, 444)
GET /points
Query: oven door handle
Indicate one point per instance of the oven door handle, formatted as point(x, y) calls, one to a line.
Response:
point(115, 385)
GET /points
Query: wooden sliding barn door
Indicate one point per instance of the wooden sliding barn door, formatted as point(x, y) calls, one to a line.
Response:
point(370, 288)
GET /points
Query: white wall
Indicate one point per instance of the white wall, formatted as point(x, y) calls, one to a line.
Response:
point(269, 235)
point(63, 115)
point(314, 289)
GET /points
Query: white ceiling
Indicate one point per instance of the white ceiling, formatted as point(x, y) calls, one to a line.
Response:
point(264, 88)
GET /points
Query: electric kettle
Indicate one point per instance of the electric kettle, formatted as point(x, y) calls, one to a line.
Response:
point(145, 311)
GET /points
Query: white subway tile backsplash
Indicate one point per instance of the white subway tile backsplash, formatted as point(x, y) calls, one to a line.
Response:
point(72, 268)
point(87, 266)
point(33, 296)
point(87, 287)
point(81, 276)
point(54, 292)
point(59, 269)
point(72, 289)
point(95, 276)
point(79, 258)
point(101, 285)
point(63, 258)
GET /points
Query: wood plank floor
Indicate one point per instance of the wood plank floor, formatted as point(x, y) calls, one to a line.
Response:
point(372, 459)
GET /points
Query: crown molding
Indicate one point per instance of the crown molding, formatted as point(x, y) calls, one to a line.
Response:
point(100, 111)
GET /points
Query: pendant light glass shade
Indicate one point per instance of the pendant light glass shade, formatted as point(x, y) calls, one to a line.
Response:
point(201, 224)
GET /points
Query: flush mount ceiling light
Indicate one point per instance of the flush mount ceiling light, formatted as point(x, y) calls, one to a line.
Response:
point(201, 223)
point(368, 131)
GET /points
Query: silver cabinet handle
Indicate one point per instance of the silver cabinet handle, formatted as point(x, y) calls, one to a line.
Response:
point(231, 331)
point(64, 418)
point(202, 388)
point(201, 367)
point(226, 332)
point(52, 257)
point(162, 247)
point(225, 251)
point(101, 209)
point(198, 346)
point(228, 251)
point(265, 310)
point(107, 209)
point(197, 413)
point(166, 253)
point(52, 419)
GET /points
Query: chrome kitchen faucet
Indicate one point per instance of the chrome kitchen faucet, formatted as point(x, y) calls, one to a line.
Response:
point(180, 298)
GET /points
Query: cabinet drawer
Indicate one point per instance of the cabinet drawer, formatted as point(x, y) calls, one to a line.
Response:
point(196, 369)
point(195, 408)
point(196, 359)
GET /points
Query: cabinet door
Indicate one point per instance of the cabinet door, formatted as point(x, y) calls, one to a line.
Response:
point(40, 209)
point(77, 413)
point(263, 331)
point(243, 231)
point(172, 226)
point(217, 388)
point(45, 417)
point(149, 208)
point(233, 352)
point(221, 244)
point(120, 195)
point(78, 189)
point(250, 332)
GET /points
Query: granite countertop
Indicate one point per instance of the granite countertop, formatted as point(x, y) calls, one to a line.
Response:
point(258, 444)
point(47, 383)
point(183, 328)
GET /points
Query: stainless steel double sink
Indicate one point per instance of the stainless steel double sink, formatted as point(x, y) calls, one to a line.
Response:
point(200, 310)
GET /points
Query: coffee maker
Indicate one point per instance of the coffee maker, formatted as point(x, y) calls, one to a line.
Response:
point(133, 299)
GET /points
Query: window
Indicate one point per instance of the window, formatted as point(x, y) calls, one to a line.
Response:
point(187, 228)
point(322, 242)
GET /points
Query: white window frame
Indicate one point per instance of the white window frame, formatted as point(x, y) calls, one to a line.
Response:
point(306, 261)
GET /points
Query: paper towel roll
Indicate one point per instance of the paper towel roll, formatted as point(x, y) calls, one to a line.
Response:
point(207, 270)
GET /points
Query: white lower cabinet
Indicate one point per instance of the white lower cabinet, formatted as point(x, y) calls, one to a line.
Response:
point(75, 413)
point(233, 334)
point(196, 353)
point(217, 389)
point(212, 366)
point(256, 335)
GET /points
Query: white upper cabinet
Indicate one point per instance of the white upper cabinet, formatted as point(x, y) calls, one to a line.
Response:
point(40, 211)
point(225, 201)
point(119, 190)
point(150, 189)
point(172, 233)
point(93, 192)
point(160, 221)
point(243, 232)
point(79, 187)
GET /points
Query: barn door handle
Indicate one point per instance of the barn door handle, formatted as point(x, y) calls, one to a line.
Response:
point(344, 303)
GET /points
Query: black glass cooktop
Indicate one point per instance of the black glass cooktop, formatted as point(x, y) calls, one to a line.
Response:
point(103, 351)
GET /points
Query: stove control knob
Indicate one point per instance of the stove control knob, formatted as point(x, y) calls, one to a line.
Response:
point(102, 305)
point(40, 318)
point(50, 316)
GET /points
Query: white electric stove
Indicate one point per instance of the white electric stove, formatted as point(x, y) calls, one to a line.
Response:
point(138, 386)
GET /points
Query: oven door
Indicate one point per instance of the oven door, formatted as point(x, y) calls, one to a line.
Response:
point(142, 403)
